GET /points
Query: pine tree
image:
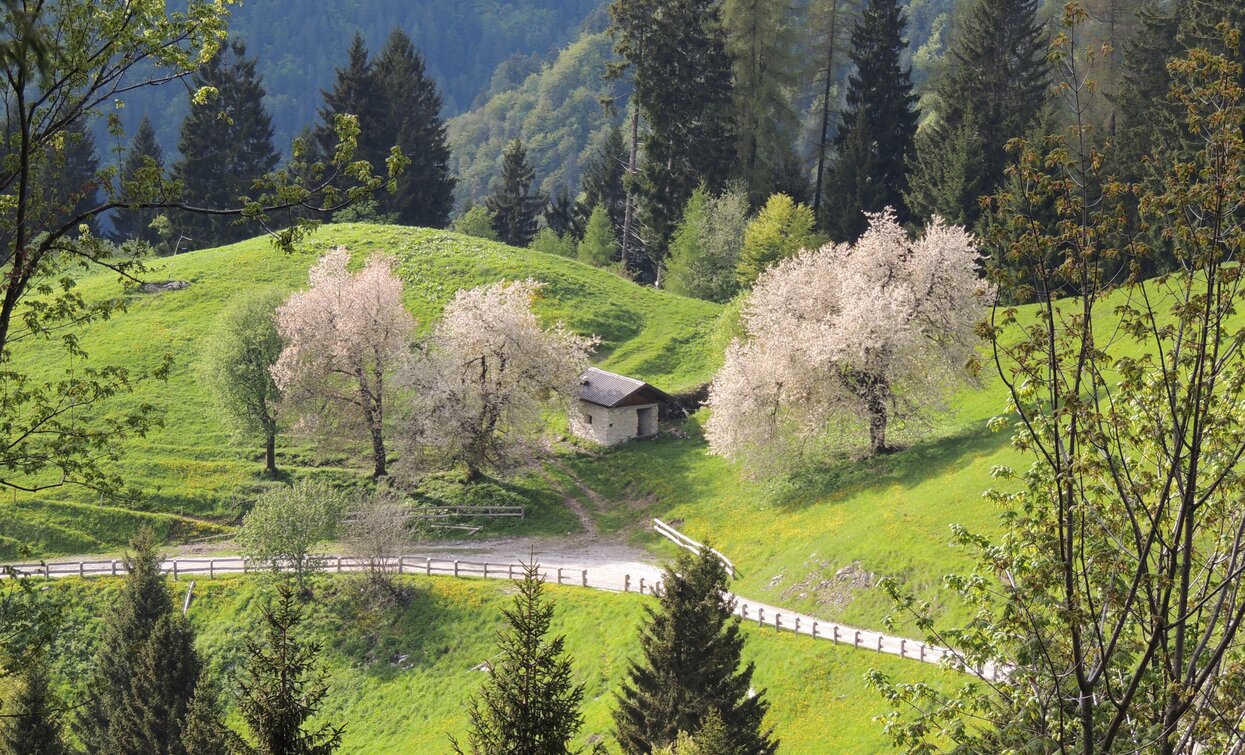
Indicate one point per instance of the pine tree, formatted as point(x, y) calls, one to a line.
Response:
point(1148, 122)
point(603, 178)
point(353, 93)
point(563, 216)
point(411, 119)
point(881, 113)
point(676, 50)
point(69, 184)
point(226, 144)
point(855, 185)
point(599, 246)
point(279, 689)
point(32, 724)
point(761, 41)
point(832, 20)
point(949, 178)
point(513, 206)
point(142, 158)
point(995, 81)
point(153, 707)
point(204, 731)
point(529, 705)
point(692, 647)
point(130, 620)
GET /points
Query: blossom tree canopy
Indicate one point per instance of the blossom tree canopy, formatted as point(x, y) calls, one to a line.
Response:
point(845, 336)
point(489, 373)
point(345, 336)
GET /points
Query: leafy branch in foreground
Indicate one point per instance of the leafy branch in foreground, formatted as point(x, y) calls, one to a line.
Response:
point(1112, 598)
point(63, 63)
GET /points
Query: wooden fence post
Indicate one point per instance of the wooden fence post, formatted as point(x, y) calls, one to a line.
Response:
point(81, 569)
point(339, 564)
point(174, 570)
point(401, 561)
point(797, 624)
point(641, 585)
point(814, 629)
point(760, 617)
point(743, 610)
point(585, 576)
point(486, 569)
point(777, 621)
point(856, 642)
point(922, 651)
point(903, 647)
point(114, 567)
point(455, 567)
point(509, 571)
point(559, 575)
point(626, 583)
point(211, 568)
point(836, 634)
point(428, 566)
point(879, 643)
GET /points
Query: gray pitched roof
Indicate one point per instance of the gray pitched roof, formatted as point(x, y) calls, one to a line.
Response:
point(609, 390)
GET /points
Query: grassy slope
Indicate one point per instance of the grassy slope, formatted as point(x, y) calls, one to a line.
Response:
point(193, 467)
point(819, 702)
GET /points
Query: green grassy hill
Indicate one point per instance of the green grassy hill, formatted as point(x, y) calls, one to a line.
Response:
point(197, 477)
point(401, 675)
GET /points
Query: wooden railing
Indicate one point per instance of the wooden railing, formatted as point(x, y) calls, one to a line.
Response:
point(683, 541)
point(426, 513)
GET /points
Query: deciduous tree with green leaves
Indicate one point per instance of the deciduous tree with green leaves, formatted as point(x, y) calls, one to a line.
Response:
point(780, 230)
point(285, 525)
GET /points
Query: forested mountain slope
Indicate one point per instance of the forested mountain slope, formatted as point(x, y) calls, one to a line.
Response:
point(299, 43)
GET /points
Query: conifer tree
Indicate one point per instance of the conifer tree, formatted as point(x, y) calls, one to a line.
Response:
point(1148, 122)
point(691, 647)
point(599, 246)
point(603, 178)
point(529, 705)
point(513, 206)
point(676, 50)
point(411, 119)
point(128, 624)
point(995, 82)
point(832, 22)
point(780, 230)
point(707, 244)
point(280, 688)
point(68, 183)
point(563, 216)
point(204, 732)
point(152, 708)
point(881, 115)
point(32, 724)
point(761, 42)
point(353, 93)
point(855, 184)
point(949, 178)
point(226, 145)
point(143, 157)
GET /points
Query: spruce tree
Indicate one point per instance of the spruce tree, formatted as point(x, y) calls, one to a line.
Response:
point(142, 159)
point(1148, 122)
point(691, 647)
point(280, 689)
point(153, 707)
point(676, 50)
point(855, 185)
point(603, 178)
point(760, 39)
point(128, 624)
point(948, 179)
point(32, 723)
point(995, 82)
point(564, 216)
point(411, 119)
point(68, 186)
point(353, 93)
point(599, 246)
point(529, 705)
point(225, 144)
point(204, 732)
point(513, 206)
point(881, 114)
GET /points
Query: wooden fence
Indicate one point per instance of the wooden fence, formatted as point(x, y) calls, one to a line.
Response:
point(600, 579)
point(683, 541)
point(427, 513)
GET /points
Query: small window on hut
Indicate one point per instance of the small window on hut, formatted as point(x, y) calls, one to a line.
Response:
point(588, 418)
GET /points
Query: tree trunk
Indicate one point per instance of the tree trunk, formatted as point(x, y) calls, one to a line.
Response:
point(378, 453)
point(876, 403)
point(629, 210)
point(270, 454)
point(825, 110)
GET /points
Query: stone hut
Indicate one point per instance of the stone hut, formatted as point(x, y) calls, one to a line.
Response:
point(611, 409)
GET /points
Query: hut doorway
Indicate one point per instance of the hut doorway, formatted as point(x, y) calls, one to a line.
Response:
point(646, 421)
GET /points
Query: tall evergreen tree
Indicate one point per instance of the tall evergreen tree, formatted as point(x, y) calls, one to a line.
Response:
point(949, 178)
point(832, 22)
point(603, 178)
point(128, 624)
point(69, 185)
point(280, 689)
point(153, 706)
point(142, 158)
point(529, 705)
point(411, 119)
point(692, 647)
point(32, 725)
point(564, 216)
point(881, 109)
point(676, 50)
point(1148, 122)
point(995, 83)
point(225, 144)
point(855, 184)
point(761, 41)
point(513, 205)
point(204, 732)
point(353, 93)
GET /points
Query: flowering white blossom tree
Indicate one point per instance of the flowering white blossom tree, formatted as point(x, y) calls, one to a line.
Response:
point(489, 372)
point(344, 337)
point(848, 335)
